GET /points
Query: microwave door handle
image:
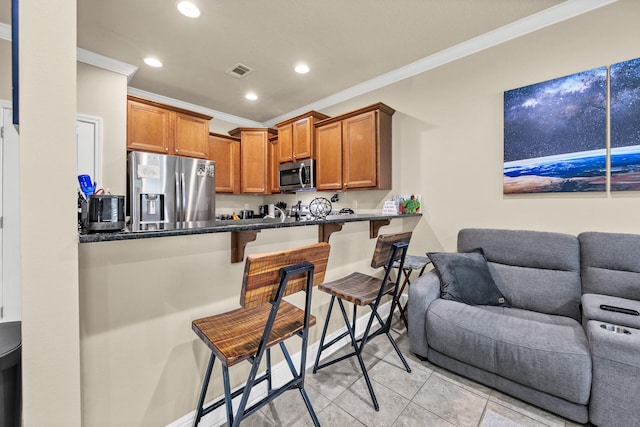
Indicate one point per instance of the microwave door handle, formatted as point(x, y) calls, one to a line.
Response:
point(301, 176)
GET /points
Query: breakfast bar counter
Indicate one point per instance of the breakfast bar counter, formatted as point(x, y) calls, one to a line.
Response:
point(241, 225)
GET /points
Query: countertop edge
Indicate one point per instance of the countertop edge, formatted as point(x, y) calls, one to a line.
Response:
point(226, 228)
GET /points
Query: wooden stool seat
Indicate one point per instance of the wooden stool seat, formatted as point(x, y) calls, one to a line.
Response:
point(365, 290)
point(263, 321)
point(234, 336)
point(357, 288)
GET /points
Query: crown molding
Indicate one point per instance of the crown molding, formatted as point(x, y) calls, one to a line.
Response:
point(106, 63)
point(193, 107)
point(553, 15)
point(5, 31)
point(87, 57)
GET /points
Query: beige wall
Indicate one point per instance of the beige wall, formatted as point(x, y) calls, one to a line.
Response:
point(49, 249)
point(102, 94)
point(448, 132)
point(5, 70)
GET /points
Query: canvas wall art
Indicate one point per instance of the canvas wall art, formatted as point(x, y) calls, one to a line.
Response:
point(555, 135)
point(625, 125)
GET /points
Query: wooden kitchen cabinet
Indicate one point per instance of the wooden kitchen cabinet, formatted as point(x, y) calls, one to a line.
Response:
point(161, 128)
point(353, 150)
point(329, 156)
point(274, 163)
point(225, 151)
point(254, 159)
point(296, 137)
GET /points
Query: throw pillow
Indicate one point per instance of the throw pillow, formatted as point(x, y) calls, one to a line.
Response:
point(465, 277)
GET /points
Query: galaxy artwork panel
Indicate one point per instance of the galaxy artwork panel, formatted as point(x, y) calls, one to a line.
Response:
point(625, 125)
point(555, 135)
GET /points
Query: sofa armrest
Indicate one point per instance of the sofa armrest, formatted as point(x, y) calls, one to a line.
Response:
point(591, 310)
point(422, 292)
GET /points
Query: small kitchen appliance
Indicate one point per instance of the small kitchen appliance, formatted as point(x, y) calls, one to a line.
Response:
point(105, 212)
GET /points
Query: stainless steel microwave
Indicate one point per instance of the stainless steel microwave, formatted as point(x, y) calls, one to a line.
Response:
point(297, 176)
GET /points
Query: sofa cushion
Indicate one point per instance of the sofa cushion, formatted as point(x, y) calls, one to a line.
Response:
point(465, 277)
point(535, 270)
point(610, 264)
point(545, 352)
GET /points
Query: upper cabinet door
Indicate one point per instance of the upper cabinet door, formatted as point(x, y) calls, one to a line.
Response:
point(255, 161)
point(303, 139)
point(329, 156)
point(149, 128)
point(225, 151)
point(285, 143)
point(191, 135)
point(359, 146)
point(274, 170)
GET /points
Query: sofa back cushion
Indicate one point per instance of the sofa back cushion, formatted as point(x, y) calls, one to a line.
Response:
point(535, 270)
point(610, 264)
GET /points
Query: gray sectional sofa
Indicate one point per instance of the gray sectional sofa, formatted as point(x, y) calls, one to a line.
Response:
point(550, 343)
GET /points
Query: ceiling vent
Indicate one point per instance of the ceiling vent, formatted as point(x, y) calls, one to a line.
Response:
point(239, 70)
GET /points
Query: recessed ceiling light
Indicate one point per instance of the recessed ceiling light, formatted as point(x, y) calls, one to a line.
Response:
point(188, 9)
point(152, 62)
point(251, 96)
point(302, 68)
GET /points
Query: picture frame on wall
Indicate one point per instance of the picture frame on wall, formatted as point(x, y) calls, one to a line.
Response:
point(555, 135)
point(625, 125)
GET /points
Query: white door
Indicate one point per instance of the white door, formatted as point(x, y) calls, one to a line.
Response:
point(89, 138)
point(10, 297)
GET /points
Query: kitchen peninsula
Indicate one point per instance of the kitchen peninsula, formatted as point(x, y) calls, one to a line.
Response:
point(241, 225)
point(244, 231)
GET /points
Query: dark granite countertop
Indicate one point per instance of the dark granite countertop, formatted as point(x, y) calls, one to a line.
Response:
point(229, 226)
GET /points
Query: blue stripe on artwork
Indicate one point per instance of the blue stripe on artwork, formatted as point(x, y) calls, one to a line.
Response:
point(571, 165)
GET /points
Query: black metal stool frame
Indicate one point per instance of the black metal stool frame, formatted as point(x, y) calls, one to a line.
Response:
point(385, 326)
point(297, 382)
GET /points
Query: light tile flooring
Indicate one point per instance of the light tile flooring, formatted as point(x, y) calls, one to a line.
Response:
point(428, 396)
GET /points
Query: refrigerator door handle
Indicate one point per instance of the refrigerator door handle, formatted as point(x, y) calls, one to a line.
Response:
point(177, 199)
point(183, 208)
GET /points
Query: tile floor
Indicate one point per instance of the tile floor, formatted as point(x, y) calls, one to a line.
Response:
point(428, 396)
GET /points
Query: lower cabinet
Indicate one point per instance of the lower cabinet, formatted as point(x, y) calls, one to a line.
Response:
point(353, 150)
point(225, 151)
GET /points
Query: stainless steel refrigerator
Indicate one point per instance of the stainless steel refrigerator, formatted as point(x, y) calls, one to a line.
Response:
point(170, 192)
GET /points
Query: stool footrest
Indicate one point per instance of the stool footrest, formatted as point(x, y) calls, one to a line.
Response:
point(218, 403)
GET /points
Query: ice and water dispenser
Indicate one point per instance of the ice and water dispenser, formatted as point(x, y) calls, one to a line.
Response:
point(151, 208)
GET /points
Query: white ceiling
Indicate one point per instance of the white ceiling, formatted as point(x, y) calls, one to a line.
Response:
point(345, 42)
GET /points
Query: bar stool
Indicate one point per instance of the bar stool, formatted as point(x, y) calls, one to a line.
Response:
point(411, 263)
point(364, 290)
point(263, 321)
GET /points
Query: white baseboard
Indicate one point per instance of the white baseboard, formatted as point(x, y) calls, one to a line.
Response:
point(280, 372)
